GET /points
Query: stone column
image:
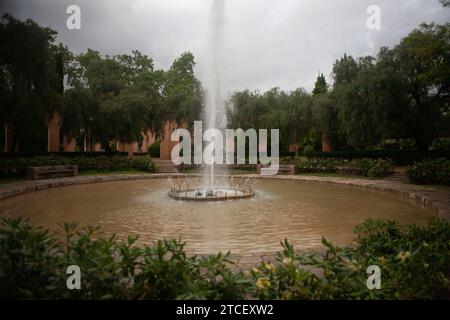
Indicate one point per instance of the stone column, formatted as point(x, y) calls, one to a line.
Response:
point(10, 132)
point(70, 144)
point(326, 145)
point(53, 140)
point(98, 147)
point(167, 145)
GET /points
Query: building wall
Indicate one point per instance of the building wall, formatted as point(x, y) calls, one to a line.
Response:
point(148, 138)
point(95, 147)
point(127, 147)
point(167, 145)
point(69, 144)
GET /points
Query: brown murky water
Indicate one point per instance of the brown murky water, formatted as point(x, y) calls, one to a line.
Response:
point(303, 212)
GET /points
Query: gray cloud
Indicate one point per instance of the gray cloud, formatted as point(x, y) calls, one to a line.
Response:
point(269, 43)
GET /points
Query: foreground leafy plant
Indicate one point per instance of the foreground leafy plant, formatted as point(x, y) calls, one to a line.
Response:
point(414, 260)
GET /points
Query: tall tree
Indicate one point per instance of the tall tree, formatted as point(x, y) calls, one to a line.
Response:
point(345, 70)
point(290, 112)
point(404, 93)
point(321, 85)
point(325, 115)
point(356, 103)
point(423, 60)
point(31, 76)
point(182, 91)
point(115, 97)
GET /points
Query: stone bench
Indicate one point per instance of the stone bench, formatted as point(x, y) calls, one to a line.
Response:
point(286, 169)
point(49, 172)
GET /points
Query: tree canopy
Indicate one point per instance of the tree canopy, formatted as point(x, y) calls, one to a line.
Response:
point(403, 93)
point(31, 79)
point(124, 95)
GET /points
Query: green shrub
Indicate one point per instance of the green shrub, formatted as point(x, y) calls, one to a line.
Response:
point(17, 166)
point(320, 165)
point(429, 171)
point(142, 163)
point(441, 144)
point(380, 168)
point(399, 157)
point(360, 167)
point(154, 149)
point(414, 263)
point(33, 264)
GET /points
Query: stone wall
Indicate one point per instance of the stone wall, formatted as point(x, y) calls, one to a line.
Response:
point(148, 138)
point(69, 144)
point(167, 145)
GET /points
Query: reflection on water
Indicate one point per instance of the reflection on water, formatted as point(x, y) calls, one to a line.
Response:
point(303, 212)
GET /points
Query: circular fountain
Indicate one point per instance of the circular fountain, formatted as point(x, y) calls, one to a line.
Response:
point(221, 189)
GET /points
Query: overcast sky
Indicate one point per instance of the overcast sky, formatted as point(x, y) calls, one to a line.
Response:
point(268, 43)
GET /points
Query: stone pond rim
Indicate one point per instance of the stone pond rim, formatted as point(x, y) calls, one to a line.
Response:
point(436, 200)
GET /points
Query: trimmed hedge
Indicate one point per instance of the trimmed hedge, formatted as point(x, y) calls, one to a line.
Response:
point(359, 167)
point(430, 171)
point(16, 155)
point(414, 264)
point(399, 157)
point(17, 166)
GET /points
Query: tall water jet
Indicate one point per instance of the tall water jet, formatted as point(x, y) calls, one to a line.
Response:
point(215, 102)
point(215, 115)
point(215, 118)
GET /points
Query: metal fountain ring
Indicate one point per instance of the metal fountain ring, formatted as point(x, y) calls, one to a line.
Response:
point(190, 189)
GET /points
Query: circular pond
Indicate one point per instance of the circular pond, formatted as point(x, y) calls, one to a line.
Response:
point(301, 211)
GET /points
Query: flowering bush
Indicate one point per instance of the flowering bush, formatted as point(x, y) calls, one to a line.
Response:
point(414, 263)
point(430, 171)
point(360, 167)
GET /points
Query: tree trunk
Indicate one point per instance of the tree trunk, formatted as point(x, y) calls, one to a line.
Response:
point(14, 142)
